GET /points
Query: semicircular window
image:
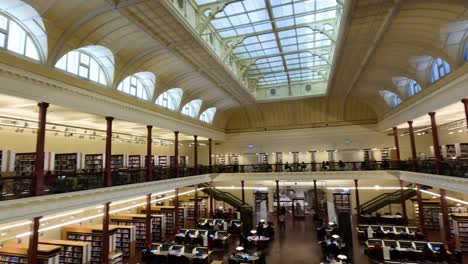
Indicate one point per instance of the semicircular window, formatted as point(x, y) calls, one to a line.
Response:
point(94, 63)
point(22, 30)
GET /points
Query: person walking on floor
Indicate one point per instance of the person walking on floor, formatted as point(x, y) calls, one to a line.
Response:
point(282, 219)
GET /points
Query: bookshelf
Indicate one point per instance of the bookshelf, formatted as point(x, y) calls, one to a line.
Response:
point(342, 202)
point(385, 154)
point(94, 162)
point(169, 217)
point(135, 161)
point(18, 253)
point(233, 159)
point(72, 251)
point(190, 208)
point(162, 161)
point(460, 230)
point(183, 161)
point(463, 150)
point(431, 214)
point(24, 163)
point(125, 241)
point(449, 151)
point(139, 222)
point(93, 235)
point(67, 162)
point(118, 161)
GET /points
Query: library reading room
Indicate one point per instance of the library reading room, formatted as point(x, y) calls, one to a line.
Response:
point(233, 131)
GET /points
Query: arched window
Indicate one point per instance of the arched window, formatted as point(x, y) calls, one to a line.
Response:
point(413, 88)
point(170, 99)
point(391, 98)
point(208, 115)
point(191, 109)
point(140, 85)
point(95, 63)
point(466, 53)
point(439, 69)
point(22, 30)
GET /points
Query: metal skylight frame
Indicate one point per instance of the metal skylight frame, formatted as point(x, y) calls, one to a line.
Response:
point(279, 41)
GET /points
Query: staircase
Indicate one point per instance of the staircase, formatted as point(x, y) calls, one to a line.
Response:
point(223, 196)
point(385, 199)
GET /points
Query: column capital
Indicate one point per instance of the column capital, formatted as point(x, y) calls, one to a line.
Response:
point(43, 104)
point(395, 128)
point(410, 123)
point(355, 180)
point(149, 126)
point(176, 132)
point(431, 114)
point(464, 100)
point(109, 118)
point(195, 136)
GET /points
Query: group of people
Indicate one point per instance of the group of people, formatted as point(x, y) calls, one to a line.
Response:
point(327, 165)
point(331, 244)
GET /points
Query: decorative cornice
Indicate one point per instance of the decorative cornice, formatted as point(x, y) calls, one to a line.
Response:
point(21, 83)
point(455, 184)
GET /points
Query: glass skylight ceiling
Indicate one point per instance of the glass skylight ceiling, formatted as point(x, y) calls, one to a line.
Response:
point(283, 43)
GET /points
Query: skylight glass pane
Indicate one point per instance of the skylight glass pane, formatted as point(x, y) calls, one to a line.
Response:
point(251, 22)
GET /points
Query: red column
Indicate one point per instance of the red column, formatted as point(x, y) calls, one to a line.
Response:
point(34, 240)
point(195, 154)
point(358, 204)
point(108, 169)
point(243, 192)
point(403, 203)
point(465, 103)
point(316, 204)
point(211, 199)
point(420, 209)
point(105, 234)
point(435, 138)
point(445, 219)
point(278, 208)
point(413, 145)
point(149, 152)
point(210, 162)
point(176, 154)
point(40, 144)
point(176, 208)
point(397, 145)
point(148, 237)
point(195, 207)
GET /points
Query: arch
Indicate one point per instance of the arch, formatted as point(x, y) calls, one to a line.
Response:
point(391, 98)
point(465, 55)
point(407, 87)
point(22, 30)
point(439, 69)
point(192, 108)
point(208, 115)
point(95, 63)
point(140, 85)
point(170, 99)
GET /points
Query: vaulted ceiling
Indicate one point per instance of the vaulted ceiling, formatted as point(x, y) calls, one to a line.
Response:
point(379, 40)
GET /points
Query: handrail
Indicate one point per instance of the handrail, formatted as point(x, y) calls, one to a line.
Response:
point(385, 199)
point(12, 187)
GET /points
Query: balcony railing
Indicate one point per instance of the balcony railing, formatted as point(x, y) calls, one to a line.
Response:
point(14, 187)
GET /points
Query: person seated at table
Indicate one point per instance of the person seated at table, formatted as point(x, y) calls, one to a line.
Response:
point(332, 249)
point(207, 225)
point(376, 252)
point(187, 237)
point(217, 227)
point(321, 232)
point(260, 229)
point(269, 231)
